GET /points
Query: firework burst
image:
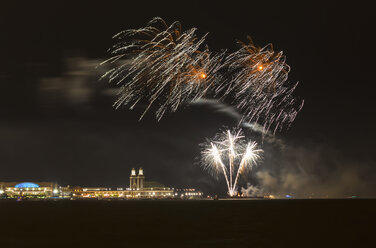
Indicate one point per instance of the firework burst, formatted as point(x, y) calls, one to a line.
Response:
point(162, 64)
point(259, 86)
point(230, 155)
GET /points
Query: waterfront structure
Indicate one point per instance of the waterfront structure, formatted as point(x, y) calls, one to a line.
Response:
point(138, 189)
point(30, 189)
point(137, 181)
point(188, 193)
point(145, 193)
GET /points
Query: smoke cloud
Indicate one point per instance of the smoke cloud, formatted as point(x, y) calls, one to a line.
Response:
point(310, 169)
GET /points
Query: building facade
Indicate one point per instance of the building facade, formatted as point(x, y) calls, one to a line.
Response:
point(30, 189)
point(188, 194)
point(138, 189)
point(137, 181)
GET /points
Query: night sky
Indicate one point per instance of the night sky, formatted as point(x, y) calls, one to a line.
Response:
point(82, 140)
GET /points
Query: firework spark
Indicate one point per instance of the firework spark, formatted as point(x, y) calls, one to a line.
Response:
point(229, 154)
point(164, 65)
point(259, 86)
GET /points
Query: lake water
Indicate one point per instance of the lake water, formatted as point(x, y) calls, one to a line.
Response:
point(247, 223)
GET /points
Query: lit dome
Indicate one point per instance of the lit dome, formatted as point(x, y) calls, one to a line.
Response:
point(27, 185)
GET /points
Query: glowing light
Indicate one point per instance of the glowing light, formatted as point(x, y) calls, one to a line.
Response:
point(203, 75)
point(27, 185)
point(239, 156)
point(266, 98)
point(163, 67)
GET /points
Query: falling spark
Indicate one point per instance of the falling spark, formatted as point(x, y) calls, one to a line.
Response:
point(239, 156)
point(259, 87)
point(163, 66)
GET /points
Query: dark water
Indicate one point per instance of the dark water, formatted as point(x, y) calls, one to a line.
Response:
point(256, 223)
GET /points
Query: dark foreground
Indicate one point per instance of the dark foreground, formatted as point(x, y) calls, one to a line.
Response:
point(254, 223)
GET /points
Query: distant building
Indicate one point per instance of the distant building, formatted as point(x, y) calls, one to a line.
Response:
point(30, 189)
point(137, 182)
point(138, 189)
point(188, 194)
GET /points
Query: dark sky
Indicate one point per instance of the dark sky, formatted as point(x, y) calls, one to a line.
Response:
point(327, 43)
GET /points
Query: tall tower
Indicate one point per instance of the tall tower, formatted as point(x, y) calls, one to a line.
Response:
point(133, 179)
point(140, 179)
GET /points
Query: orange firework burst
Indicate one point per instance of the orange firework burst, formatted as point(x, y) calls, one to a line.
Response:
point(164, 64)
point(259, 86)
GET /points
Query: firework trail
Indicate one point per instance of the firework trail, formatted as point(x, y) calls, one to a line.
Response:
point(164, 65)
point(229, 154)
point(258, 86)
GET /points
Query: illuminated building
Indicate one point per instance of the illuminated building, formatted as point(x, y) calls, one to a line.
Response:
point(188, 194)
point(137, 181)
point(138, 189)
point(140, 179)
point(30, 189)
